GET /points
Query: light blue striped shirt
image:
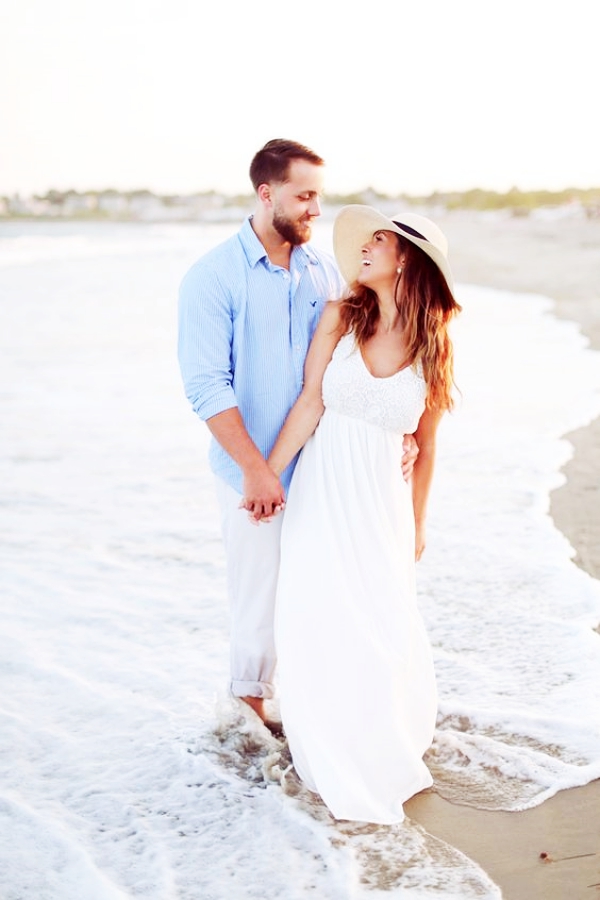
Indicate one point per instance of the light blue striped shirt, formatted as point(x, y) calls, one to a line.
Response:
point(244, 330)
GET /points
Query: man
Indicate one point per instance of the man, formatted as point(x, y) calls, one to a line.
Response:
point(248, 310)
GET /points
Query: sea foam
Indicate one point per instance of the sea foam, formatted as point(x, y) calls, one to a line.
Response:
point(125, 769)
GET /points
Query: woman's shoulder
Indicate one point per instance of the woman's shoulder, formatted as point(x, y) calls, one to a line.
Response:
point(331, 314)
point(331, 320)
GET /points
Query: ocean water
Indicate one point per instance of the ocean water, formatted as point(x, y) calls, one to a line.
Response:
point(125, 770)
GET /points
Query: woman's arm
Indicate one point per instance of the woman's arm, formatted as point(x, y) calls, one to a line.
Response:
point(423, 473)
point(304, 416)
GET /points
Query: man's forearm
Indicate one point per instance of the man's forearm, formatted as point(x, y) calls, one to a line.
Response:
point(263, 494)
point(228, 429)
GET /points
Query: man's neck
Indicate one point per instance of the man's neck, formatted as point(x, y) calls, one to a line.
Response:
point(278, 250)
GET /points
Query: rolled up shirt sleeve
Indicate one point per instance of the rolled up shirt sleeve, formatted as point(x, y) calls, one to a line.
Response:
point(205, 342)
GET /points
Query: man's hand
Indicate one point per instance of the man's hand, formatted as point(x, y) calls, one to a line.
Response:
point(263, 495)
point(409, 456)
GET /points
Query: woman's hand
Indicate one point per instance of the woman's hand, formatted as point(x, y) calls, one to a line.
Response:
point(409, 456)
point(419, 541)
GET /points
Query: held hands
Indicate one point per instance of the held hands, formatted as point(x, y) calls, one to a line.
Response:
point(263, 519)
point(263, 496)
point(409, 456)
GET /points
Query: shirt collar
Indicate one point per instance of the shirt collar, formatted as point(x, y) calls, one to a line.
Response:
point(255, 252)
point(251, 245)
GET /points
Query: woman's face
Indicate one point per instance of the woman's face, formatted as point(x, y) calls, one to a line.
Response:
point(380, 261)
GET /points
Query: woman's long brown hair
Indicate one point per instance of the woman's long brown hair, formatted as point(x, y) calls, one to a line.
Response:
point(426, 306)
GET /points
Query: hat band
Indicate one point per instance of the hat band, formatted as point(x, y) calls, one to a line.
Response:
point(410, 230)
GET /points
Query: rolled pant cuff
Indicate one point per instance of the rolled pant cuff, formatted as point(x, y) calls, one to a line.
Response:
point(252, 689)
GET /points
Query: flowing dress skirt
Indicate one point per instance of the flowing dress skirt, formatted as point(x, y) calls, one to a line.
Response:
point(356, 676)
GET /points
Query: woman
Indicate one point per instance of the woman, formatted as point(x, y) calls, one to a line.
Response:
point(357, 684)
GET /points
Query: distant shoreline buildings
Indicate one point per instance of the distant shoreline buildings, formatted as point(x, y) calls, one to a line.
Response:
point(140, 205)
point(211, 206)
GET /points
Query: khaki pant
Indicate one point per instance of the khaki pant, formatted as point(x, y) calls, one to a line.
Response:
point(252, 556)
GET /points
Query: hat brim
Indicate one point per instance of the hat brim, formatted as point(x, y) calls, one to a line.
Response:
point(355, 225)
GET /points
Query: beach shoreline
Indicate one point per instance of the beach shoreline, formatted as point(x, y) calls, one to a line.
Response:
point(558, 258)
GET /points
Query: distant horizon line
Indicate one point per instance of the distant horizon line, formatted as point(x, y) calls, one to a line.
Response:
point(437, 192)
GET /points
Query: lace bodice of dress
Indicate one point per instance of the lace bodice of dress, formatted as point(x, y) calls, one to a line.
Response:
point(395, 403)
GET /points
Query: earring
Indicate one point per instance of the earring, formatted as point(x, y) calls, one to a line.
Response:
point(399, 270)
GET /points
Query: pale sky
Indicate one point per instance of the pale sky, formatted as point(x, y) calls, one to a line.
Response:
point(176, 96)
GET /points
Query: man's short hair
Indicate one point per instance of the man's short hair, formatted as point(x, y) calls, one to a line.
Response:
point(272, 162)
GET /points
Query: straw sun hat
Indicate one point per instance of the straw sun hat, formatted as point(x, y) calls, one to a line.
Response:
point(355, 225)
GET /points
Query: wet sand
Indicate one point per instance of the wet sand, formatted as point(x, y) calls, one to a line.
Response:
point(559, 258)
point(550, 852)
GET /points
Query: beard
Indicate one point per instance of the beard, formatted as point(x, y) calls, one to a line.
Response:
point(295, 233)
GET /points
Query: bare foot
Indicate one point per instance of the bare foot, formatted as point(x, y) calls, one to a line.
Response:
point(257, 704)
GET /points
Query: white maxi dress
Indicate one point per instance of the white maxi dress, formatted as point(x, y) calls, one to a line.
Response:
point(356, 676)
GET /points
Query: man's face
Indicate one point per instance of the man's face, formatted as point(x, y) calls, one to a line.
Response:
point(296, 201)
